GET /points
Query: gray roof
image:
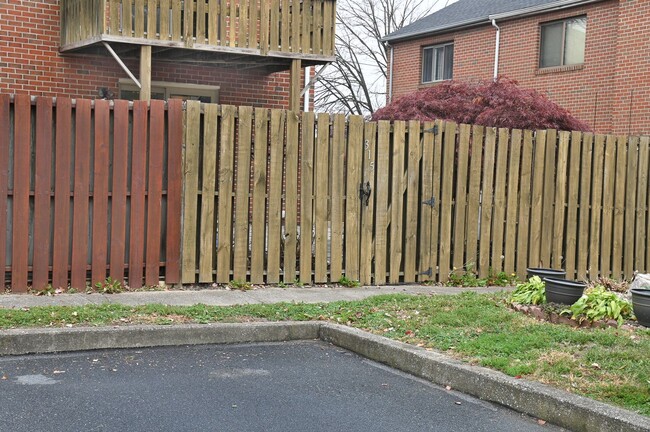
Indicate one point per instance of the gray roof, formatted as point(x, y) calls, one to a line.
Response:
point(466, 13)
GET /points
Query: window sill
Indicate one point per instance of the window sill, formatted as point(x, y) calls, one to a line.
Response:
point(554, 69)
point(431, 84)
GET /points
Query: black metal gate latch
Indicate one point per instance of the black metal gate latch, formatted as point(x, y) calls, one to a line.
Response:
point(364, 192)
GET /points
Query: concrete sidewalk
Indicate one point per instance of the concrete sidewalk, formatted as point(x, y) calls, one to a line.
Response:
point(222, 297)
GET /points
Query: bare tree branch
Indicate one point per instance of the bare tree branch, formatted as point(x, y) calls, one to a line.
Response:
point(356, 82)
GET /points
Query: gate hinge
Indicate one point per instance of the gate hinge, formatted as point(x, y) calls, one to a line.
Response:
point(434, 129)
point(430, 202)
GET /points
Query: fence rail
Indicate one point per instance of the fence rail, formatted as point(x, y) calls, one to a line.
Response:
point(92, 189)
point(89, 190)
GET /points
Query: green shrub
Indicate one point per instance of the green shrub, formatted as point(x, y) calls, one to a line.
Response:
point(597, 304)
point(532, 292)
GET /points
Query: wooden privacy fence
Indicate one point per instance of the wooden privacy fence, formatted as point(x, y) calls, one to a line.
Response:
point(89, 190)
point(205, 193)
point(275, 196)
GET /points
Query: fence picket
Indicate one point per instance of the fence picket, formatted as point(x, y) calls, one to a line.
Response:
point(119, 188)
point(207, 248)
point(191, 181)
point(367, 210)
point(619, 207)
point(437, 180)
point(524, 227)
point(307, 197)
point(557, 238)
point(321, 198)
point(275, 197)
point(99, 182)
point(498, 216)
point(487, 202)
point(595, 237)
point(290, 238)
point(258, 233)
point(630, 206)
point(174, 190)
point(81, 189)
point(510, 248)
point(225, 177)
point(337, 178)
point(396, 202)
point(353, 205)
point(572, 206)
point(138, 189)
point(242, 195)
point(381, 203)
point(584, 208)
point(473, 197)
point(609, 179)
point(537, 196)
point(461, 197)
point(546, 240)
point(641, 234)
point(446, 197)
point(42, 192)
point(154, 192)
point(412, 200)
point(425, 268)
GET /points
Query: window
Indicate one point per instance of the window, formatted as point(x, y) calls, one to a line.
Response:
point(437, 63)
point(563, 43)
point(168, 90)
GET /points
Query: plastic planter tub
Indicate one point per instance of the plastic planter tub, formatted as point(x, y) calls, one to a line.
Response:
point(563, 291)
point(546, 272)
point(641, 305)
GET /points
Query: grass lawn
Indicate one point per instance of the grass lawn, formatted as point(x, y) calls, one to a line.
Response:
point(611, 365)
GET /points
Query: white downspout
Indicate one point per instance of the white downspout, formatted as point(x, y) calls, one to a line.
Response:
point(390, 74)
point(496, 49)
point(307, 94)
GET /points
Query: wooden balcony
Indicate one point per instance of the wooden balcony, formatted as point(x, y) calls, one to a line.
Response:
point(266, 32)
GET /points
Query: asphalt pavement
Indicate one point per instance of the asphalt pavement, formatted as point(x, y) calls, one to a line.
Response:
point(285, 387)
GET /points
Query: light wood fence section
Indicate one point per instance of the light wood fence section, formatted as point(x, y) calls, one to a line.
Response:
point(321, 197)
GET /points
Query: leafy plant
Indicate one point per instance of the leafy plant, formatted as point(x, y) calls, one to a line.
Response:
point(597, 304)
point(501, 278)
point(465, 278)
point(532, 292)
point(500, 103)
point(109, 286)
point(240, 285)
point(347, 282)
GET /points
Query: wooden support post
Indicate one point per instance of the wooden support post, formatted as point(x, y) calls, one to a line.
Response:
point(145, 72)
point(295, 86)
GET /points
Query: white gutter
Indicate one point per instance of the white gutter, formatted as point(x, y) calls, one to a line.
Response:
point(390, 74)
point(496, 49)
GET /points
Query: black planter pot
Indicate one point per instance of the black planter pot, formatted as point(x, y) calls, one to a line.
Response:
point(563, 291)
point(641, 305)
point(546, 272)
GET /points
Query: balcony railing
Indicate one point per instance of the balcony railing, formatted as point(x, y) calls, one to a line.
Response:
point(284, 28)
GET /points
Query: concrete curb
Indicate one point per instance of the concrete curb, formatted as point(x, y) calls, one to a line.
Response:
point(561, 408)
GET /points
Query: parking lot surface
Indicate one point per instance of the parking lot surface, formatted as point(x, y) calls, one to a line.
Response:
point(295, 386)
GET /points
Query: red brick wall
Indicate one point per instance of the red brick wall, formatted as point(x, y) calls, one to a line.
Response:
point(598, 92)
point(30, 63)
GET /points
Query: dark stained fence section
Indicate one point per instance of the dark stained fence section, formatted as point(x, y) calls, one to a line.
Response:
point(89, 189)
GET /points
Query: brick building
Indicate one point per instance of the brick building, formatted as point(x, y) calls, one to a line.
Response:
point(590, 56)
point(241, 52)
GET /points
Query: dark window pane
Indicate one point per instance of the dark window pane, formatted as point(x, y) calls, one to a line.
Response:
point(440, 62)
point(449, 62)
point(551, 47)
point(427, 64)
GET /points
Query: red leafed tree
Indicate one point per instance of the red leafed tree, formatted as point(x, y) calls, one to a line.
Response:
point(500, 103)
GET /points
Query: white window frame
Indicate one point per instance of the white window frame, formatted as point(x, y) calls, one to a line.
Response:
point(563, 43)
point(171, 88)
point(433, 65)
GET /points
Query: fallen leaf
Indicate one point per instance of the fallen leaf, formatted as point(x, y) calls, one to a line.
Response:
point(447, 387)
point(56, 372)
point(541, 422)
point(420, 345)
point(517, 376)
point(4, 377)
point(595, 365)
point(457, 403)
